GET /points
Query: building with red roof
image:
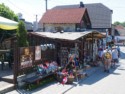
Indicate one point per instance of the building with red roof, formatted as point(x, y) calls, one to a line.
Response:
point(68, 20)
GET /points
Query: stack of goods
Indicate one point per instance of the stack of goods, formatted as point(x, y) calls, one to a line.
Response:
point(81, 74)
point(62, 76)
point(87, 66)
point(65, 77)
point(70, 79)
point(46, 68)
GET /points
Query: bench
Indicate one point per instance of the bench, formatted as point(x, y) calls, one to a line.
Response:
point(35, 80)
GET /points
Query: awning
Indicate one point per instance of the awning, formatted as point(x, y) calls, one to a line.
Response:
point(7, 24)
point(65, 35)
point(119, 38)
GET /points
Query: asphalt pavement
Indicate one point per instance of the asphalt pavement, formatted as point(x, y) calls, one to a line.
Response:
point(104, 83)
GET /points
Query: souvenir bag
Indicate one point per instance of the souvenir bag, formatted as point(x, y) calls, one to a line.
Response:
point(108, 55)
point(40, 70)
point(64, 80)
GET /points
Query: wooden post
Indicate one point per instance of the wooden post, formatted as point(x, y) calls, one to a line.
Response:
point(82, 50)
point(15, 70)
point(92, 47)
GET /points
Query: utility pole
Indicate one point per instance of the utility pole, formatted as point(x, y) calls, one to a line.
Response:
point(36, 17)
point(46, 4)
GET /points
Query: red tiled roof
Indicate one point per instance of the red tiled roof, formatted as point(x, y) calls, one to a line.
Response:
point(73, 15)
point(119, 27)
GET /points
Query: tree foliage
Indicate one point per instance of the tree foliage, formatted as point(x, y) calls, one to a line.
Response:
point(7, 13)
point(119, 23)
point(22, 35)
point(123, 24)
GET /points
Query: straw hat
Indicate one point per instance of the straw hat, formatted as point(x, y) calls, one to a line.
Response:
point(113, 47)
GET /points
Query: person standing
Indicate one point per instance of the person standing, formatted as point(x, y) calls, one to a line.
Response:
point(114, 57)
point(118, 49)
point(100, 53)
point(107, 57)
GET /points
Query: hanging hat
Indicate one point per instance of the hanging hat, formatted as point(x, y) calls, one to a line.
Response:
point(113, 47)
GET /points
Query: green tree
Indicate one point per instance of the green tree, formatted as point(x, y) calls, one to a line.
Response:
point(117, 23)
point(123, 24)
point(22, 35)
point(7, 13)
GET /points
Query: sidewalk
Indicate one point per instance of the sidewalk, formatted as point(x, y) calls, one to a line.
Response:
point(54, 87)
point(6, 79)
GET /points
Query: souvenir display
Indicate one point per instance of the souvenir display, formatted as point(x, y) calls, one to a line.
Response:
point(64, 56)
point(46, 67)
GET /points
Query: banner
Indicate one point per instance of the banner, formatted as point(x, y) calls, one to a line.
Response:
point(37, 52)
point(26, 57)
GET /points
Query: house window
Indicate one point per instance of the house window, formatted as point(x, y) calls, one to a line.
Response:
point(58, 29)
point(81, 26)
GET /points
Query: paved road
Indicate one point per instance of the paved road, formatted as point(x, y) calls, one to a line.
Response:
point(104, 83)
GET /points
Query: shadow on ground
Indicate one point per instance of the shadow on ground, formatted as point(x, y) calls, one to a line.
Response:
point(6, 71)
point(22, 91)
point(122, 55)
point(100, 74)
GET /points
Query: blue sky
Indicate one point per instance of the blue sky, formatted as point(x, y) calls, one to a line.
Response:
point(31, 8)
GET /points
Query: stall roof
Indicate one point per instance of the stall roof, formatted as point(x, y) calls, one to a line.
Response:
point(65, 35)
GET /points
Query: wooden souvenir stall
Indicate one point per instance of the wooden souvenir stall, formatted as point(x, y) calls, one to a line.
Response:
point(48, 48)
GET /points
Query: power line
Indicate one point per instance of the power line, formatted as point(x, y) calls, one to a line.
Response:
point(27, 13)
point(15, 5)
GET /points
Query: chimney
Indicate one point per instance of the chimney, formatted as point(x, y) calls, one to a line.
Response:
point(81, 5)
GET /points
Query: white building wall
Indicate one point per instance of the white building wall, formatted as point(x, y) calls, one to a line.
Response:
point(66, 27)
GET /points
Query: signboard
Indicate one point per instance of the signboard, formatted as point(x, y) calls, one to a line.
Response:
point(37, 52)
point(26, 57)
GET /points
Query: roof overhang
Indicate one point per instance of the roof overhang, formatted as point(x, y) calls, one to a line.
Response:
point(71, 36)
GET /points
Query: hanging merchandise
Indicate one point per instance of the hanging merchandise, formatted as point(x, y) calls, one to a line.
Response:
point(108, 55)
point(64, 56)
point(64, 81)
